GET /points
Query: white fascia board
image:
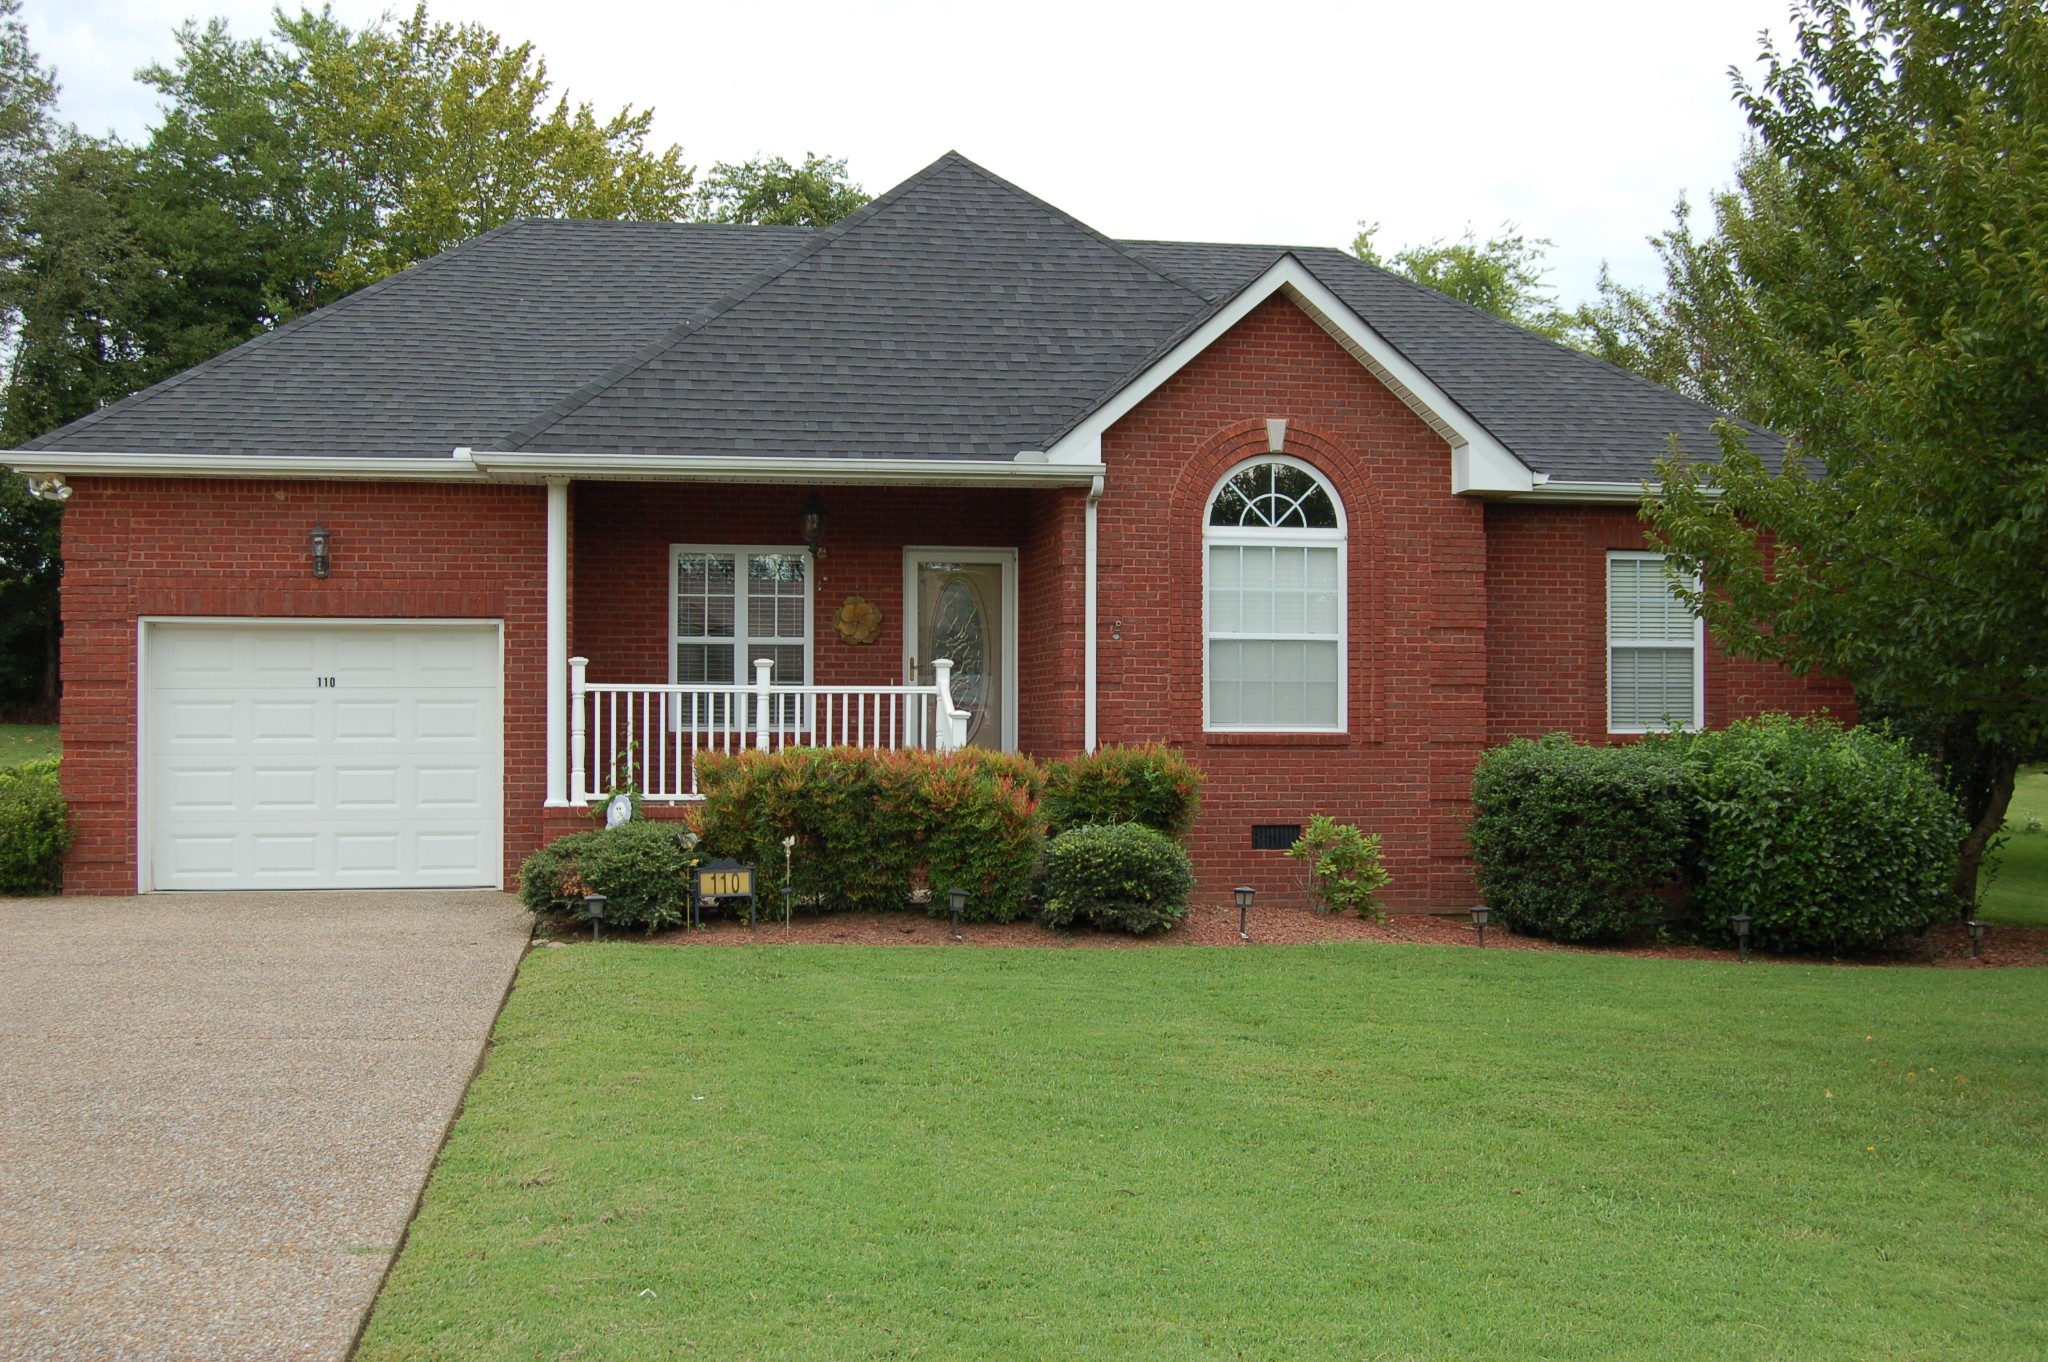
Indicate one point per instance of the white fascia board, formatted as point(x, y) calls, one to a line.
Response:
point(1480, 464)
point(522, 466)
point(1598, 493)
point(481, 466)
point(98, 465)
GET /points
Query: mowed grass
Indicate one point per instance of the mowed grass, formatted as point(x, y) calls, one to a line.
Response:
point(27, 742)
point(2018, 883)
point(1336, 1152)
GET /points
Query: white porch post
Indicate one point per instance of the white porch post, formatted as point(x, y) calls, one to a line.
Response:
point(558, 643)
point(764, 671)
point(1088, 644)
point(579, 788)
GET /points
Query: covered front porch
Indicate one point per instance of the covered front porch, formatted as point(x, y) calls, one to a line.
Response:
point(688, 616)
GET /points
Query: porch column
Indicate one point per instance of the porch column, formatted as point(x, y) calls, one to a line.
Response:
point(558, 643)
point(1088, 644)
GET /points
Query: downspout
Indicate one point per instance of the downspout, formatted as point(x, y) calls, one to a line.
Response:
point(558, 643)
point(1088, 644)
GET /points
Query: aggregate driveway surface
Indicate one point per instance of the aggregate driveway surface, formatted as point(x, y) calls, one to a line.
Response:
point(217, 1110)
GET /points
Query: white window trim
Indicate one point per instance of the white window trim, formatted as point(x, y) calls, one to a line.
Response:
point(1699, 650)
point(1233, 534)
point(742, 671)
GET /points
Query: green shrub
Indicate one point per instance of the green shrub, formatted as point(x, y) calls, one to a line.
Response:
point(1122, 876)
point(642, 868)
point(1577, 842)
point(1152, 785)
point(1344, 865)
point(872, 827)
point(35, 828)
point(1832, 840)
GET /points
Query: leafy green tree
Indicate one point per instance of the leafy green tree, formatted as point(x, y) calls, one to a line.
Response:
point(1503, 275)
point(1695, 336)
point(28, 528)
point(1886, 233)
point(770, 192)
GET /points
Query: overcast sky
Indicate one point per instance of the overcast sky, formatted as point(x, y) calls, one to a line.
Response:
point(1262, 120)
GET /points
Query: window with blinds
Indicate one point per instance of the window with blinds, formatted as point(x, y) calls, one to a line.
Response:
point(735, 605)
point(1654, 678)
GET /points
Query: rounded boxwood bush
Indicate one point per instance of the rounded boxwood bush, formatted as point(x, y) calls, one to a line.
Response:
point(35, 828)
point(642, 868)
point(1832, 840)
point(1577, 842)
point(1121, 876)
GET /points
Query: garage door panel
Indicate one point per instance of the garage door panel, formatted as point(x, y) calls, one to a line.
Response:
point(353, 756)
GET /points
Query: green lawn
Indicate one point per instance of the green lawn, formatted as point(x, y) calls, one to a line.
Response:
point(1336, 1152)
point(27, 742)
point(2019, 884)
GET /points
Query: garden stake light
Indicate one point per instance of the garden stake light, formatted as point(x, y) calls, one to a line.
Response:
point(956, 899)
point(1481, 915)
point(1976, 926)
point(593, 908)
point(1244, 906)
point(1740, 922)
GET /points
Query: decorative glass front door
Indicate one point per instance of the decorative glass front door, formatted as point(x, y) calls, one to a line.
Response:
point(959, 606)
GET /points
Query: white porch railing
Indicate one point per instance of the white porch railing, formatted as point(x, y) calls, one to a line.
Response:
point(649, 737)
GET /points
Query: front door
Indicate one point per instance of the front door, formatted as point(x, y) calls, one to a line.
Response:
point(960, 604)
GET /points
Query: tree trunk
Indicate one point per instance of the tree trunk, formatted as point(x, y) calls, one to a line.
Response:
point(2004, 773)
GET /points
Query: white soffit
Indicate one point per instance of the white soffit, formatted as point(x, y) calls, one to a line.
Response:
point(1480, 464)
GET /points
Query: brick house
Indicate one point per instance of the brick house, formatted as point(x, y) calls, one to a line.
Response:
point(385, 597)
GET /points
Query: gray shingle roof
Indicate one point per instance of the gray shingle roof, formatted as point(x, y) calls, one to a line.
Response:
point(956, 316)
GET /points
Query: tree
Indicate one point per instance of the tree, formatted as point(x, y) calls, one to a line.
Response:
point(770, 192)
point(1502, 275)
point(1696, 336)
point(1886, 233)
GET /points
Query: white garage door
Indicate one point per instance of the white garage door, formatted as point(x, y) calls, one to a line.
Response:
point(322, 756)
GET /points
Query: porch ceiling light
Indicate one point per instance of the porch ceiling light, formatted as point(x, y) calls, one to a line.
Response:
point(811, 523)
point(323, 558)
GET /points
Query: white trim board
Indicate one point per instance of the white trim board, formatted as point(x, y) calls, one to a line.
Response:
point(1479, 462)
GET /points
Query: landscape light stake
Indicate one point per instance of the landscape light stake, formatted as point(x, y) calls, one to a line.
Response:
point(1244, 906)
point(1976, 926)
point(1481, 915)
point(1740, 922)
point(956, 899)
point(593, 908)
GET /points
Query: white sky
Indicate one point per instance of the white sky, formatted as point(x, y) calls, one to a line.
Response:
point(1263, 120)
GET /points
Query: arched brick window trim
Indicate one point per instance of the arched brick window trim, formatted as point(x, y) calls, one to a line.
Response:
point(1352, 480)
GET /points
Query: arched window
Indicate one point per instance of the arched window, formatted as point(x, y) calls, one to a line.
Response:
point(1273, 561)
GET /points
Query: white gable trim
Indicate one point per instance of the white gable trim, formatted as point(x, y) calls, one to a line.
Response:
point(1480, 464)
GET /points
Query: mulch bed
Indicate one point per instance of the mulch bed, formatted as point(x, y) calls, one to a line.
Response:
point(1946, 946)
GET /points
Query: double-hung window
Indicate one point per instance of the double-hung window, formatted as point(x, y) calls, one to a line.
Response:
point(1273, 553)
point(734, 606)
point(1655, 676)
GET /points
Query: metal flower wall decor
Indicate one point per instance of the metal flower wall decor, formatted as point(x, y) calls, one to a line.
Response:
point(858, 621)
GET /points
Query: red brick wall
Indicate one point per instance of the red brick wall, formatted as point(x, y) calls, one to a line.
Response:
point(1416, 564)
point(135, 547)
point(1546, 591)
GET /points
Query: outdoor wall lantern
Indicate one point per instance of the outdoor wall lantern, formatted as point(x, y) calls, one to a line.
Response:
point(1740, 922)
point(593, 908)
point(1481, 915)
point(956, 899)
point(811, 523)
point(1244, 906)
point(323, 561)
point(1976, 926)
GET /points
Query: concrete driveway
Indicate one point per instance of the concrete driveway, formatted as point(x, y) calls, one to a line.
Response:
point(217, 1110)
